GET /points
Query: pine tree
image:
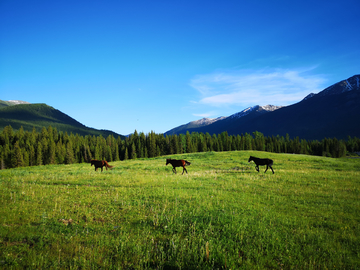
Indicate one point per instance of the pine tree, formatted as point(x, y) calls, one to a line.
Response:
point(174, 144)
point(259, 141)
point(2, 162)
point(342, 149)
point(17, 157)
point(60, 152)
point(151, 144)
point(248, 142)
point(69, 157)
point(108, 154)
point(32, 155)
point(44, 147)
point(215, 140)
point(188, 143)
point(133, 151)
point(98, 152)
point(8, 134)
point(52, 152)
point(202, 143)
point(4, 153)
point(126, 155)
point(117, 156)
point(142, 145)
point(39, 158)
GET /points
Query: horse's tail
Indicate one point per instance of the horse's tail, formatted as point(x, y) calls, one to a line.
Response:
point(107, 164)
point(187, 162)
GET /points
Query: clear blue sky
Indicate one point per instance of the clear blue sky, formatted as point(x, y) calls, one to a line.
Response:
point(155, 65)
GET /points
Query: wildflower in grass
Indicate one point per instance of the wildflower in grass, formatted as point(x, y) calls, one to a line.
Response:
point(207, 250)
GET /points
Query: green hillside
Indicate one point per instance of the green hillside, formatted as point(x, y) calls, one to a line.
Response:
point(42, 115)
point(223, 214)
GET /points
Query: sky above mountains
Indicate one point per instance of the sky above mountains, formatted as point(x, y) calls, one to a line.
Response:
point(155, 65)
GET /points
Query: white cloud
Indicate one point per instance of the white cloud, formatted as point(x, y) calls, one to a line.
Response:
point(262, 87)
point(207, 114)
point(203, 114)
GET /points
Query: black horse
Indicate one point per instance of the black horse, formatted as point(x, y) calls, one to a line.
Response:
point(178, 163)
point(262, 162)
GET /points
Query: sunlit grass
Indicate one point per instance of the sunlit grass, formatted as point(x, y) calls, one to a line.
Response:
point(221, 215)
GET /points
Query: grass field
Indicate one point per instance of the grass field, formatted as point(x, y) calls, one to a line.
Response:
point(222, 215)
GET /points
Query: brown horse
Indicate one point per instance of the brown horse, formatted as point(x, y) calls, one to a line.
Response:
point(100, 164)
point(178, 163)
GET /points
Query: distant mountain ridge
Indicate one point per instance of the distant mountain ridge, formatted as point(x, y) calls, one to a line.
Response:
point(194, 124)
point(333, 112)
point(203, 122)
point(22, 113)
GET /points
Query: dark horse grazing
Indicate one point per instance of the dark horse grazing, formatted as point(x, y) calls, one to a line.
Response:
point(100, 164)
point(178, 163)
point(262, 162)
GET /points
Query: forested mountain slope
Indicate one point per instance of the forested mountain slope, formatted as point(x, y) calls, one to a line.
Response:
point(41, 115)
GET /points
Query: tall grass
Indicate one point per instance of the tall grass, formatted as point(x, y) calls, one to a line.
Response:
point(221, 215)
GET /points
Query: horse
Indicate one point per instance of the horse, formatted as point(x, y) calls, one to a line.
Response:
point(178, 163)
point(262, 162)
point(100, 164)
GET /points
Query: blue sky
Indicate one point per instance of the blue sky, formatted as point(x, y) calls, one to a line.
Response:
point(155, 65)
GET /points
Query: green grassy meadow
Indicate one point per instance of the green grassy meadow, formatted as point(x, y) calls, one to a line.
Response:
point(222, 215)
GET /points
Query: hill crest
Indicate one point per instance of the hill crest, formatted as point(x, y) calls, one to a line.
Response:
point(41, 115)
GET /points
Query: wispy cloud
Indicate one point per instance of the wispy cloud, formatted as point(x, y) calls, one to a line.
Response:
point(207, 114)
point(261, 87)
point(203, 114)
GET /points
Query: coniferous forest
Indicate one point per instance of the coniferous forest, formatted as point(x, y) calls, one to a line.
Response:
point(23, 148)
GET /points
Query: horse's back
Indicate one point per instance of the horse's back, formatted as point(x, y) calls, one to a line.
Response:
point(261, 161)
point(97, 163)
point(177, 162)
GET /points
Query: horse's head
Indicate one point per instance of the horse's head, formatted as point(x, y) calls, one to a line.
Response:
point(250, 158)
point(167, 161)
point(93, 161)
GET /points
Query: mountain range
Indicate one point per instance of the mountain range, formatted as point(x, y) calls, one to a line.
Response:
point(21, 113)
point(333, 112)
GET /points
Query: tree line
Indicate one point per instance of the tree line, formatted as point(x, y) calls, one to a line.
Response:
point(24, 148)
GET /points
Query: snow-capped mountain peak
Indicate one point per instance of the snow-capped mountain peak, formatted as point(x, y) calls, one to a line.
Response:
point(350, 84)
point(17, 102)
point(207, 121)
point(267, 108)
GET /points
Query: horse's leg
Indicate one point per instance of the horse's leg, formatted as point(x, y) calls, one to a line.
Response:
point(267, 166)
point(271, 169)
point(184, 170)
point(174, 170)
point(101, 168)
point(257, 167)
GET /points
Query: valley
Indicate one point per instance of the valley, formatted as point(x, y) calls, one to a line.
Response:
point(222, 214)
